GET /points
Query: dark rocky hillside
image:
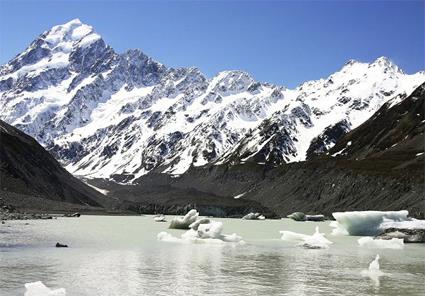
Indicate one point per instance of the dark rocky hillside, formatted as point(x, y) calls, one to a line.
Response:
point(393, 137)
point(30, 178)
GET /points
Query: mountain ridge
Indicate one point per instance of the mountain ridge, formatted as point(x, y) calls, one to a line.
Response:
point(122, 116)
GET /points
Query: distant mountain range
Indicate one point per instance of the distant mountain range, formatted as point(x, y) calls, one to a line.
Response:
point(121, 116)
point(152, 135)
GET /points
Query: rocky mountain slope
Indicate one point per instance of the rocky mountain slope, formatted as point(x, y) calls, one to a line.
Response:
point(397, 137)
point(121, 116)
point(31, 178)
point(377, 166)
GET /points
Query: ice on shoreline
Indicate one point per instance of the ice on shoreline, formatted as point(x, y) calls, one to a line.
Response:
point(39, 289)
point(370, 242)
point(365, 222)
point(315, 241)
point(202, 233)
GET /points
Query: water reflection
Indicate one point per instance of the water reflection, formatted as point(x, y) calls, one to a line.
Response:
point(107, 261)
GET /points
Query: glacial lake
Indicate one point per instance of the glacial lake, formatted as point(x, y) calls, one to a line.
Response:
point(120, 255)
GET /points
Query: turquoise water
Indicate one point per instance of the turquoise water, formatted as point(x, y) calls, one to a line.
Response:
point(121, 256)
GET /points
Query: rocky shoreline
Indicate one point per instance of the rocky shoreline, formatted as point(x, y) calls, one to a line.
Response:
point(9, 212)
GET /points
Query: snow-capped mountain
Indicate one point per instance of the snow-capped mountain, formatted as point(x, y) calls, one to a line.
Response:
point(104, 114)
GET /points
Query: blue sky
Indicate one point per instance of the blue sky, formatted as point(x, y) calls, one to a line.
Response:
point(282, 42)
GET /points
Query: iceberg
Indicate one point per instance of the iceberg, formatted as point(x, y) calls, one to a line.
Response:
point(369, 242)
point(315, 218)
point(300, 216)
point(184, 222)
point(297, 216)
point(290, 236)
point(365, 222)
point(196, 224)
point(39, 289)
point(315, 241)
point(159, 218)
point(254, 216)
point(202, 233)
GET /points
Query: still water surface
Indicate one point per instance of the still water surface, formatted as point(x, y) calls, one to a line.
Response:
point(121, 256)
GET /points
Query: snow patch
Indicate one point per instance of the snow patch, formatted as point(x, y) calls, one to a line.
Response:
point(239, 195)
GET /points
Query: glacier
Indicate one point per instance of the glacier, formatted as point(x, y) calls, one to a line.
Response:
point(103, 113)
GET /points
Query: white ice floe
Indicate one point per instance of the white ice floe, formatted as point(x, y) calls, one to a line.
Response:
point(365, 222)
point(315, 241)
point(373, 272)
point(39, 289)
point(370, 242)
point(184, 222)
point(202, 233)
point(159, 218)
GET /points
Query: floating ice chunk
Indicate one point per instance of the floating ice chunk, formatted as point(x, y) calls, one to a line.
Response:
point(159, 218)
point(297, 216)
point(373, 272)
point(300, 216)
point(315, 218)
point(196, 224)
point(315, 241)
point(290, 236)
point(165, 236)
point(365, 222)
point(369, 242)
point(253, 216)
point(39, 289)
point(184, 222)
point(204, 233)
point(410, 224)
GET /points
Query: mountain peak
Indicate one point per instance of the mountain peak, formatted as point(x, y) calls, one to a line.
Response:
point(351, 62)
point(386, 63)
point(71, 33)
